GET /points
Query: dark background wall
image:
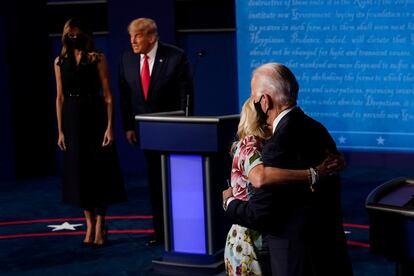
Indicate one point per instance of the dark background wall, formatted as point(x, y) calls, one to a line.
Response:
point(28, 92)
point(31, 32)
point(7, 166)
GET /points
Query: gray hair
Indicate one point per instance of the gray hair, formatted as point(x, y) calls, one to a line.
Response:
point(278, 82)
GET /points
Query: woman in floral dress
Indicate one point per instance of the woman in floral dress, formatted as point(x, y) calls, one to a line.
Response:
point(243, 253)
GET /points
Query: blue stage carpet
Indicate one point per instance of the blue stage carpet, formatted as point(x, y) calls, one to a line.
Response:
point(28, 246)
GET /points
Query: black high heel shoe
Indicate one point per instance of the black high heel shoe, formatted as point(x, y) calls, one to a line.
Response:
point(104, 238)
point(86, 244)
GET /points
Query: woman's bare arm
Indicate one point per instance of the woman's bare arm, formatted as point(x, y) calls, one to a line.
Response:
point(59, 104)
point(261, 176)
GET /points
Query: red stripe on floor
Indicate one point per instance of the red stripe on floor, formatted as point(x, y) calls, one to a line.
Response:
point(361, 226)
point(67, 219)
point(358, 244)
point(75, 233)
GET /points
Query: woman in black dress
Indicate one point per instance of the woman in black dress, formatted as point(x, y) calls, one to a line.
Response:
point(91, 174)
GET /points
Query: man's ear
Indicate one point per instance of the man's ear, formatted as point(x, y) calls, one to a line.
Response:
point(268, 101)
point(152, 39)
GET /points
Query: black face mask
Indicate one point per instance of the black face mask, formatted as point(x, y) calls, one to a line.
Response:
point(78, 42)
point(261, 115)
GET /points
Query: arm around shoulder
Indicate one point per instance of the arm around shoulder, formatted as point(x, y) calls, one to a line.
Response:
point(261, 176)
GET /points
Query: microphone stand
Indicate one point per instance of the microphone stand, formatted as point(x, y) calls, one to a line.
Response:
point(186, 105)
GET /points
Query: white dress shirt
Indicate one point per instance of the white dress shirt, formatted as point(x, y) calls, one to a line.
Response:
point(280, 116)
point(151, 58)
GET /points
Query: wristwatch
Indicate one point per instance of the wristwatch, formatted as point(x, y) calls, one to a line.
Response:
point(226, 201)
point(314, 178)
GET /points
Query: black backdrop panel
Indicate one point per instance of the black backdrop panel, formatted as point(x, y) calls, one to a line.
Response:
point(196, 14)
point(92, 13)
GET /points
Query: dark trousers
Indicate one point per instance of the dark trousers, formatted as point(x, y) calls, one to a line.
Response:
point(153, 160)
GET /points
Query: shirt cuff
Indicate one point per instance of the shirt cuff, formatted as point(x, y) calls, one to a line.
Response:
point(227, 202)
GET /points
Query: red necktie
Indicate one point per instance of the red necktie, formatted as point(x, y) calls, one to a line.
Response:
point(145, 76)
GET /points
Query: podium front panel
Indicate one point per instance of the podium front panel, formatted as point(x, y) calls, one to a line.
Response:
point(187, 203)
point(195, 165)
point(179, 137)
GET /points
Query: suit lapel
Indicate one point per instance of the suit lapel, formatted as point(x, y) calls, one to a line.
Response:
point(160, 60)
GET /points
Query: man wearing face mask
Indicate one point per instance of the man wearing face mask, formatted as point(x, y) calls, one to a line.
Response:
point(301, 224)
point(153, 77)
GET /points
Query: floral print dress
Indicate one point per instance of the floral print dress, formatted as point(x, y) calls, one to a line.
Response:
point(243, 244)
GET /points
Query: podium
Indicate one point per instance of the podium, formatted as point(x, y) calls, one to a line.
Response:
point(195, 165)
point(391, 213)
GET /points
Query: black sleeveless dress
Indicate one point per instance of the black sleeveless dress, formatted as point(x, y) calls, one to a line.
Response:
point(91, 173)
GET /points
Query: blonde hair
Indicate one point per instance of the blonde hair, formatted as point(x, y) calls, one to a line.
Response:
point(249, 123)
point(146, 26)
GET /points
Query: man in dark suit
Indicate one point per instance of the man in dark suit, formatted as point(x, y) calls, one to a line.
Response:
point(154, 77)
point(301, 224)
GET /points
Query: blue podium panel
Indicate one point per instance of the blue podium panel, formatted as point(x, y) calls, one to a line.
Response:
point(187, 203)
point(179, 137)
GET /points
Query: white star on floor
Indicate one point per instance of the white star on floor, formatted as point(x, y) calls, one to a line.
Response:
point(64, 226)
point(342, 140)
point(380, 140)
